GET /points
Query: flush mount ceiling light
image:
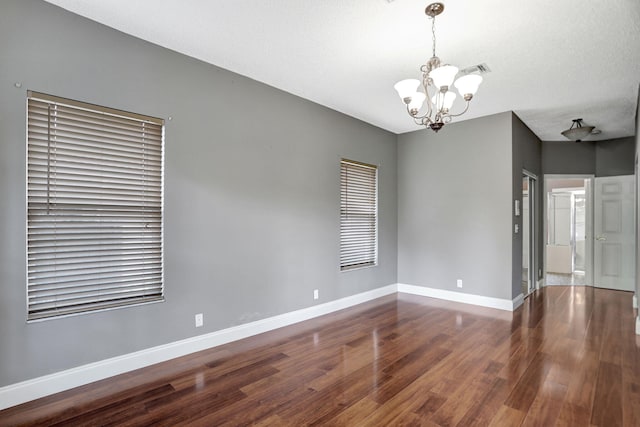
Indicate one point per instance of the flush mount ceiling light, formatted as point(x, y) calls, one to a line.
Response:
point(577, 132)
point(436, 80)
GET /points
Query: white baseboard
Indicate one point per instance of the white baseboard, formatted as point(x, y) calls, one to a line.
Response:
point(635, 301)
point(638, 324)
point(26, 391)
point(501, 304)
point(517, 302)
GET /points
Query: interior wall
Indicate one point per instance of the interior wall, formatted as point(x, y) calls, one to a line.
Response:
point(569, 158)
point(251, 190)
point(526, 154)
point(615, 157)
point(454, 207)
point(609, 157)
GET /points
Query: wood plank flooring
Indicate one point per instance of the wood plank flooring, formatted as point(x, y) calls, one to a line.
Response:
point(567, 357)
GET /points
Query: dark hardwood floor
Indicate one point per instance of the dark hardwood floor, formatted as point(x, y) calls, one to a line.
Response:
point(568, 356)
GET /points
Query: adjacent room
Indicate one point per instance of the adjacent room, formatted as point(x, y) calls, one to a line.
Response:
point(319, 213)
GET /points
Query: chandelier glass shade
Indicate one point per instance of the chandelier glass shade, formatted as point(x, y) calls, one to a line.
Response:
point(434, 87)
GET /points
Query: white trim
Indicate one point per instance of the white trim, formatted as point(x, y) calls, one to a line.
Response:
point(517, 302)
point(501, 304)
point(638, 324)
point(532, 209)
point(634, 301)
point(540, 284)
point(25, 391)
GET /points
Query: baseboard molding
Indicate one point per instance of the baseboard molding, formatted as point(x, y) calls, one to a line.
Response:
point(36, 388)
point(638, 324)
point(635, 301)
point(517, 302)
point(501, 304)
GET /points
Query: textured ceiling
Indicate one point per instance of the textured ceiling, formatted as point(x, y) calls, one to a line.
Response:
point(551, 60)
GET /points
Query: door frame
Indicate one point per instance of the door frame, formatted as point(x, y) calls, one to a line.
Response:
point(534, 238)
point(589, 200)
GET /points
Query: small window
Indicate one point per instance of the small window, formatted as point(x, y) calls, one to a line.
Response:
point(94, 207)
point(358, 215)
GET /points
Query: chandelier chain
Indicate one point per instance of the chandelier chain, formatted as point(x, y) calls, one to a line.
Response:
point(433, 34)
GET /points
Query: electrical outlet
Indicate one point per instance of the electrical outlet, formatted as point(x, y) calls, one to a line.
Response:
point(315, 294)
point(199, 320)
point(459, 283)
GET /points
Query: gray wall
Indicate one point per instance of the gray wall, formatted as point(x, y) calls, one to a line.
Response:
point(251, 190)
point(600, 158)
point(567, 157)
point(527, 154)
point(615, 157)
point(454, 207)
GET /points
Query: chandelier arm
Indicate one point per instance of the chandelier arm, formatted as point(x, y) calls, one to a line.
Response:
point(422, 121)
point(419, 120)
point(462, 112)
point(426, 117)
point(409, 112)
point(425, 85)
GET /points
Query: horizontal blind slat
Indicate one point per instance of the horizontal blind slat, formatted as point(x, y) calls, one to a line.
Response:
point(50, 310)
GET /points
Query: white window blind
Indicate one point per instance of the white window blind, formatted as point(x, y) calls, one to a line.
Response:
point(358, 215)
point(94, 202)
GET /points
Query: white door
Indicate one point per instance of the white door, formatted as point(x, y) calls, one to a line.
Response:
point(614, 250)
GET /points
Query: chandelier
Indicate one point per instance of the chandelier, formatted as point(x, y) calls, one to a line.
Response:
point(577, 132)
point(436, 80)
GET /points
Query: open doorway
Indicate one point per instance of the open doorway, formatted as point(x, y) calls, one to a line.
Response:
point(568, 219)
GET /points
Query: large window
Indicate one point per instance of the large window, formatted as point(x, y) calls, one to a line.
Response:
point(358, 215)
point(94, 196)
